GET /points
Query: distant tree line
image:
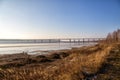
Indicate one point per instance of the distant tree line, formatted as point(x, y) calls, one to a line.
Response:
point(114, 36)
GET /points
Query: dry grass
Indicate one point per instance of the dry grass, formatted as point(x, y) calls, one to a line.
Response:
point(111, 66)
point(74, 64)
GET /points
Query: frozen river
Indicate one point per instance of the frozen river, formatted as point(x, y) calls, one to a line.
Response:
point(34, 47)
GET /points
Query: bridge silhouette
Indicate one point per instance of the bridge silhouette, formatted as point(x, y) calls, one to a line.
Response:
point(62, 40)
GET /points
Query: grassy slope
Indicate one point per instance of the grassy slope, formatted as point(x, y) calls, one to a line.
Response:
point(90, 63)
point(111, 67)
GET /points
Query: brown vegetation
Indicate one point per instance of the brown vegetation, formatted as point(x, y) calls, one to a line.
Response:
point(75, 64)
point(85, 63)
point(110, 69)
point(114, 36)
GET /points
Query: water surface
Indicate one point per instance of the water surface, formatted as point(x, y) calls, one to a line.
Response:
point(32, 48)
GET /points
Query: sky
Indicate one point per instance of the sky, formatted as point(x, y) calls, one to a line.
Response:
point(43, 19)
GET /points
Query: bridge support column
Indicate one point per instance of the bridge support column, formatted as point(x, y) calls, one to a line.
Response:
point(83, 40)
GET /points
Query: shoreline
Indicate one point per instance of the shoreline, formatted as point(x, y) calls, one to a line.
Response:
point(81, 63)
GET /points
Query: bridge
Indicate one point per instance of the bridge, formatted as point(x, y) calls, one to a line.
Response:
point(81, 40)
point(62, 40)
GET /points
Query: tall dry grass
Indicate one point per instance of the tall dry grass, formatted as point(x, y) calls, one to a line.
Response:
point(77, 66)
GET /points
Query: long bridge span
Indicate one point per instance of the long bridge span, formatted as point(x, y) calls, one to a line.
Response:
point(62, 40)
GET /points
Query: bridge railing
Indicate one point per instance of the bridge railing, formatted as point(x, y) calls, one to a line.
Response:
point(65, 40)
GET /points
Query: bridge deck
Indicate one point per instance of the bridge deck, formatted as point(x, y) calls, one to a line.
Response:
point(64, 40)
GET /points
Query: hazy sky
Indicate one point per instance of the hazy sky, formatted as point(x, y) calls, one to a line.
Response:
point(58, 18)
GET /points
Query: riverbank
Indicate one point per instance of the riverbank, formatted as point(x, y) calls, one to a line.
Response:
point(83, 63)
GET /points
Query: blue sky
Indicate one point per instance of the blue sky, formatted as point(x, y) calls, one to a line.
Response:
point(21, 19)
